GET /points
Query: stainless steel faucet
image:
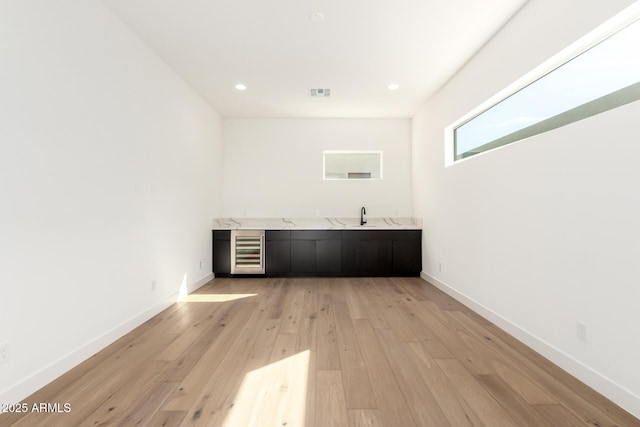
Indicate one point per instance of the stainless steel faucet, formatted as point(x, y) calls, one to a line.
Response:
point(363, 216)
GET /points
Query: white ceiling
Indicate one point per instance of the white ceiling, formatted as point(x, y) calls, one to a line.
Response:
point(274, 48)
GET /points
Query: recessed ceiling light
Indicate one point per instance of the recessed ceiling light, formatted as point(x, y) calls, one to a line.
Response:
point(393, 86)
point(240, 86)
point(316, 17)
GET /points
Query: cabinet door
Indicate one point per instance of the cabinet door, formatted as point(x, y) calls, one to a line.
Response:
point(367, 256)
point(303, 256)
point(328, 256)
point(221, 255)
point(379, 255)
point(354, 260)
point(407, 257)
point(277, 252)
point(278, 257)
point(407, 252)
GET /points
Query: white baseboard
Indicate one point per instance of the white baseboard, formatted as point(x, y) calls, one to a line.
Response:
point(200, 282)
point(603, 385)
point(44, 376)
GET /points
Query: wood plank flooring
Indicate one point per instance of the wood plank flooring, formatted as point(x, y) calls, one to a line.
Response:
point(311, 352)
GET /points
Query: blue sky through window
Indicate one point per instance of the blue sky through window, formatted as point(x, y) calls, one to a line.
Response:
point(611, 65)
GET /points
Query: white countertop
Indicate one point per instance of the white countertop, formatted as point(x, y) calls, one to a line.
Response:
point(316, 224)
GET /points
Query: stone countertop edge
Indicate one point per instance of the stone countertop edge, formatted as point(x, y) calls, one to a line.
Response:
point(316, 224)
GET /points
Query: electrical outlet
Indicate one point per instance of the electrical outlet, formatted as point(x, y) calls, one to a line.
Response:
point(317, 212)
point(581, 331)
point(440, 266)
point(201, 265)
point(4, 353)
point(153, 285)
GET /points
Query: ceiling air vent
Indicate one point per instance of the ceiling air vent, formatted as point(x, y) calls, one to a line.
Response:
point(320, 92)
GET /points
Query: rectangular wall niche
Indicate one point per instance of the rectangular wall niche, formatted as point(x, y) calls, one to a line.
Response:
point(339, 165)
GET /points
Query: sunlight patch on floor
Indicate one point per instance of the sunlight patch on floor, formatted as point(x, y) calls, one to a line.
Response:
point(274, 395)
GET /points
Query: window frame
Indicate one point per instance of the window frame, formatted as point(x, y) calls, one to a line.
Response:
point(618, 22)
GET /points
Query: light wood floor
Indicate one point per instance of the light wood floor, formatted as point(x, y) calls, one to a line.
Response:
point(320, 353)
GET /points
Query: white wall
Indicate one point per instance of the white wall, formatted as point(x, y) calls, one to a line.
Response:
point(273, 168)
point(110, 175)
point(543, 233)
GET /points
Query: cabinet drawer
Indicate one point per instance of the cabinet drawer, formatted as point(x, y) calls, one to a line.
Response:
point(316, 234)
point(221, 234)
point(277, 235)
point(407, 235)
point(368, 234)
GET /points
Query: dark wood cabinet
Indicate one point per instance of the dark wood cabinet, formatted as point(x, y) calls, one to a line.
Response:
point(222, 252)
point(367, 252)
point(277, 253)
point(379, 255)
point(316, 252)
point(382, 252)
point(331, 253)
point(303, 256)
point(329, 256)
point(407, 252)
